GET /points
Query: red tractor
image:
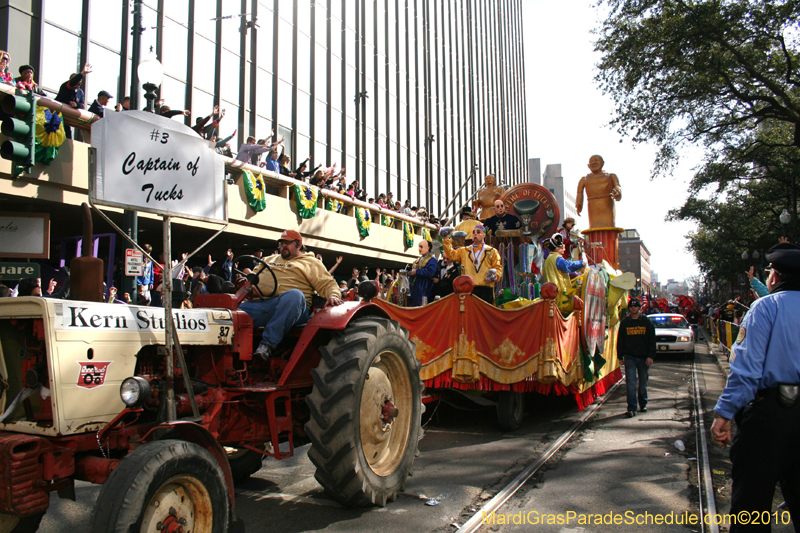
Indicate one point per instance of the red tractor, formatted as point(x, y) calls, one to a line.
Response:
point(87, 395)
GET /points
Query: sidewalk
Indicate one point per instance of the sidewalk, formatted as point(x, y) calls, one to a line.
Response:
point(625, 469)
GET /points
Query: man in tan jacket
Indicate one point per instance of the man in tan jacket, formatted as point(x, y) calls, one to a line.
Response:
point(299, 275)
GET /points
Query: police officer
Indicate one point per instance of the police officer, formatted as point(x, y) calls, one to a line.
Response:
point(762, 396)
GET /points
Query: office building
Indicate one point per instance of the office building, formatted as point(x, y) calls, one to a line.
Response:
point(554, 182)
point(535, 171)
point(406, 95)
point(635, 257)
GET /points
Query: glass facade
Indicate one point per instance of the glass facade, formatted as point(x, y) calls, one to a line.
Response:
point(407, 95)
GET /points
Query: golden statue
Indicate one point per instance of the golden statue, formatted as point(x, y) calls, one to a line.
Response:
point(602, 189)
point(486, 197)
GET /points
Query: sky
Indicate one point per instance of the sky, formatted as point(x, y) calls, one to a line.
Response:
point(568, 118)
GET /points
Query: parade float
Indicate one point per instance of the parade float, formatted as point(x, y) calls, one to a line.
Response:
point(526, 345)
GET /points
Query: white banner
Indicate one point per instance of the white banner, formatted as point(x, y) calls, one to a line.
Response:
point(146, 162)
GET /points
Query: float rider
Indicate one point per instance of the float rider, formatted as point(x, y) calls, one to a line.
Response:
point(480, 261)
point(557, 269)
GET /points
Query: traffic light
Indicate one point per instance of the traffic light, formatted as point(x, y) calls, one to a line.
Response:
point(19, 126)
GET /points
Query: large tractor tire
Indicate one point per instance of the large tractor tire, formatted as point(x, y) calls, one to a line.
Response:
point(366, 410)
point(510, 410)
point(14, 524)
point(164, 483)
point(244, 463)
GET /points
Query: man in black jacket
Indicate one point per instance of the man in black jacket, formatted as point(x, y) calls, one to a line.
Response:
point(70, 93)
point(98, 107)
point(636, 343)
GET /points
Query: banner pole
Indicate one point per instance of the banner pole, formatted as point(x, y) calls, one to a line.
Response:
point(166, 296)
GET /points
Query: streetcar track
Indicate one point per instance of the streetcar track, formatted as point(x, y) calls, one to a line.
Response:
point(705, 484)
point(505, 494)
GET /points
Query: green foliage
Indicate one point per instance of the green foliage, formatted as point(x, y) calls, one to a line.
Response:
point(743, 218)
point(722, 74)
point(706, 71)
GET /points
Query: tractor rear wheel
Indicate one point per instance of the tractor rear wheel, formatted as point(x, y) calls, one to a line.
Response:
point(366, 408)
point(164, 485)
point(14, 524)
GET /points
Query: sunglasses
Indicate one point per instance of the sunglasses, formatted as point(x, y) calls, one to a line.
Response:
point(634, 305)
point(6, 58)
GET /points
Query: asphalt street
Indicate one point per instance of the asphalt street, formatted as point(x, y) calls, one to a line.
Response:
point(612, 465)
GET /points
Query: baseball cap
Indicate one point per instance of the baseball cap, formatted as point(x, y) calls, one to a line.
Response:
point(23, 68)
point(634, 303)
point(291, 235)
point(104, 93)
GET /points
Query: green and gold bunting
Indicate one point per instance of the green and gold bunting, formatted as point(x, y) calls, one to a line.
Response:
point(363, 219)
point(254, 190)
point(49, 135)
point(426, 234)
point(387, 221)
point(332, 204)
point(408, 234)
point(306, 198)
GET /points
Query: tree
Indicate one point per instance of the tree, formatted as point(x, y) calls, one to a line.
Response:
point(701, 71)
point(745, 217)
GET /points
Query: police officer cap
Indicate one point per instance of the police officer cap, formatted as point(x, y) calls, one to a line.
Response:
point(785, 257)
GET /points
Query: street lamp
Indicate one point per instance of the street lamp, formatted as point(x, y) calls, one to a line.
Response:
point(151, 74)
point(745, 255)
point(785, 217)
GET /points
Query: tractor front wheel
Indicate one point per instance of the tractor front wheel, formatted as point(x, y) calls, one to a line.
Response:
point(166, 485)
point(14, 524)
point(365, 408)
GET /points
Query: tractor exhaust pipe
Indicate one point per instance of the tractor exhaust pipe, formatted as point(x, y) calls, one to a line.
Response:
point(87, 271)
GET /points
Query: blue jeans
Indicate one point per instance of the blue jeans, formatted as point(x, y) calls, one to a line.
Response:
point(277, 315)
point(634, 366)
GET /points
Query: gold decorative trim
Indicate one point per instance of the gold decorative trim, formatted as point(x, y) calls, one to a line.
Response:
point(508, 352)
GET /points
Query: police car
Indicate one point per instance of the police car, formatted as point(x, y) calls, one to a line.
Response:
point(673, 334)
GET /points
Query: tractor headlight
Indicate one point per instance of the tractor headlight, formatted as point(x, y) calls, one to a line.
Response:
point(684, 339)
point(134, 391)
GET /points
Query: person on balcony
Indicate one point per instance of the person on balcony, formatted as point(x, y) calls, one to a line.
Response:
point(25, 80)
point(71, 94)
point(98, 107)
point(5, 74)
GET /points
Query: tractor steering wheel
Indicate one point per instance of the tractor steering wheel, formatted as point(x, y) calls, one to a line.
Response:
point(254, 277)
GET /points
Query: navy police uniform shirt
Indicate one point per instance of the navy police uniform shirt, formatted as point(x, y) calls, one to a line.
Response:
point(766, 352)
